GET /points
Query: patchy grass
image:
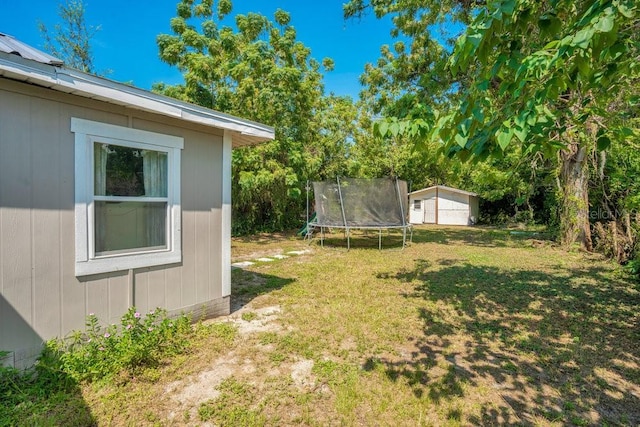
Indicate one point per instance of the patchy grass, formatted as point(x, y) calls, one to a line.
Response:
point(463, 327)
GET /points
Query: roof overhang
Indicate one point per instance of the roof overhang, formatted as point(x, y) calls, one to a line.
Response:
point(244, 132)
point(441, 187)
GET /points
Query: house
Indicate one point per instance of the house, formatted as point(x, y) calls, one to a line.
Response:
point(110, 197)
point(443, 205)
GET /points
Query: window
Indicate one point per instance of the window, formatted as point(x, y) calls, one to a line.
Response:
point(127, 185)
point(416, 205)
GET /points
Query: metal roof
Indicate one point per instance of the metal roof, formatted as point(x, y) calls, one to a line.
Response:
point(443, 187)
point(9, 44)
point(19, 61)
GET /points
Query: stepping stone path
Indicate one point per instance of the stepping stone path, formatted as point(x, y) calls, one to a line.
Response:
point(306, 251)
point(243, 264)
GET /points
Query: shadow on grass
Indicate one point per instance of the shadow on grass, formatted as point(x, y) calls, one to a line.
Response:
point(475, 236)
point(560, 345)
point(392, 239)
point(385, 239)
point(40, 397)
point(247, 285)
point(266, 238)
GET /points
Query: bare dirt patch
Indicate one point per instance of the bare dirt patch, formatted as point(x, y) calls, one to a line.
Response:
point(263, 322)
point(188, 393)
point(302, 376)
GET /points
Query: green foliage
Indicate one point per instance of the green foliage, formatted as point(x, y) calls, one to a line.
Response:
point(540, 69)
point(615, 175)
point(412, 87)
point(633, 266)
point(407, 85)
point(257, 69)
point(555, 78)
point(55, 391)
point(248, 316)
point(12, 387)
point(335, 125)
point(413, 70)
point(30, 398)
point(71, 39)
point(231, 408)
point(102, 354)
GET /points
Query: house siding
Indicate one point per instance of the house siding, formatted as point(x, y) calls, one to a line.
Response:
point(40, 297)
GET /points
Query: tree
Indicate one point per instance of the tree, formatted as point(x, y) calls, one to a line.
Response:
point(258, 70)
point(411, 78)
point(408, 82)
point(334, 125)
point(71, 40)
point(544, 76)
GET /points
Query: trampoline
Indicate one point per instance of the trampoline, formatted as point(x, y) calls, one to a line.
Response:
point(367, 204)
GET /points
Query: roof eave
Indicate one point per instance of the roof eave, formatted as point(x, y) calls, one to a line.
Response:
point(444, 187)
point(245, 132)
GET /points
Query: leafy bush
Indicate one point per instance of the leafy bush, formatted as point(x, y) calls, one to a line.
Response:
point(50, 394)
point(100, 354)
point(29, 399)
point(633, 266)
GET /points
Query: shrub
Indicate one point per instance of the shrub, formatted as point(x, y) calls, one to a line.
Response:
point(633, 266)
point(100, 354)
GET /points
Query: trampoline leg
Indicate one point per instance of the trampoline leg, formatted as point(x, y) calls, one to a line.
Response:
point(380, 239)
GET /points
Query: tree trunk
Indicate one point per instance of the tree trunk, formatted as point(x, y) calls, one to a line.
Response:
point(574, 189)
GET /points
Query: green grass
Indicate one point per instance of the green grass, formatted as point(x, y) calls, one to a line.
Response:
point(462, 327)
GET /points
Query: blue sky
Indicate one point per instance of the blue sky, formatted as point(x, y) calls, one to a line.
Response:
point(126, 42)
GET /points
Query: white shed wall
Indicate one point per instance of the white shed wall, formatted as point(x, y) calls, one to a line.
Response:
point(453, 208)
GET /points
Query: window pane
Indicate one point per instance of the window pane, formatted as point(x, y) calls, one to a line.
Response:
point(130, 226)
point(125, 171)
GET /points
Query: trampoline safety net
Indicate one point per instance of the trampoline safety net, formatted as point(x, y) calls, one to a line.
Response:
point(361, 203)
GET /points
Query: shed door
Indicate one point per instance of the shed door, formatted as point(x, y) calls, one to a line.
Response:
point(453, 208)
point(429, 210)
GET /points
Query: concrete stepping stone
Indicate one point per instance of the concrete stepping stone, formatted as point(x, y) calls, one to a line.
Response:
point(242, 264)
point(299, 252)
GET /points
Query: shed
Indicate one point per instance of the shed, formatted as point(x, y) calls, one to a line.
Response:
point(443, 205)
point(110, 197)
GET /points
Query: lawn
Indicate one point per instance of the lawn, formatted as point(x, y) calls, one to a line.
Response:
point(462, 327)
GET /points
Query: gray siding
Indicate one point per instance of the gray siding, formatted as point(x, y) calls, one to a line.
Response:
point(40, 297)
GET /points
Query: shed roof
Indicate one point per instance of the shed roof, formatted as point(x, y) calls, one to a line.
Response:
point(442, 187)
point(19, 61)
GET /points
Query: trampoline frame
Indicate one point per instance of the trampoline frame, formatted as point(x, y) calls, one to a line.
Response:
point(312, 225)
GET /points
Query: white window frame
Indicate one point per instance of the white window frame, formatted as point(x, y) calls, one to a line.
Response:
point(86, 134)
